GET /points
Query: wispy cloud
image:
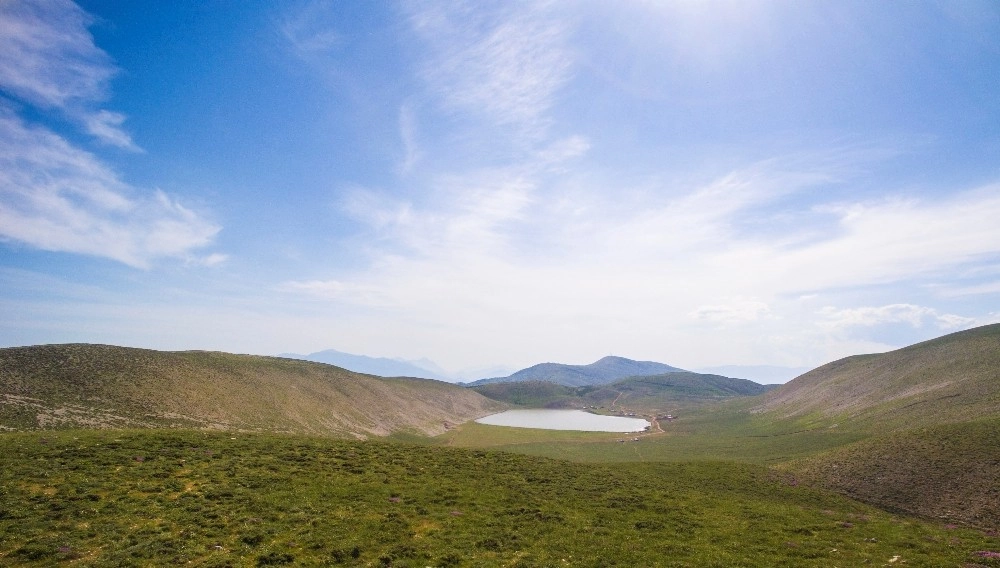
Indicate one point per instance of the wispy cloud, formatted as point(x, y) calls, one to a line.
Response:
point(566, 234)
point(972, 290)
point(48, 59)
point(106, 126)
point(56, 197)
point(308, 29)
point(915, 316)
point(497, 247)
point(477, 211)
point(505, 64)
point(735, 312)
point(335, 290)
point(408, 136)
point(888, 240)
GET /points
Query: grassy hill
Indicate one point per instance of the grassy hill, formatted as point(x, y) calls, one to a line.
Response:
point(954, 378)
point(667, 392)
point(950, 471)
point(606, 370)
point(540, 394)
point(683, 389)
point(103, 386)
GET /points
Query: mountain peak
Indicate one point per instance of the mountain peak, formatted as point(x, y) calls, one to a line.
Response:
point(612, 359)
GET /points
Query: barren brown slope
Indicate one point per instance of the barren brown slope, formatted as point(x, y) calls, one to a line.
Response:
point(107, 386)
point(953, 378)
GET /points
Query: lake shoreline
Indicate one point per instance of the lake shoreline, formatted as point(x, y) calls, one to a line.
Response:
point(578, 420)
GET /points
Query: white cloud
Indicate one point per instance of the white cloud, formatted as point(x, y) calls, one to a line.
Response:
point(915, 316)
point(56, 196)
point(106, 127)
point(973, 290)
point(309, 30)
point(863, 243)
point(545, 248)
point(505, 63)
point(677, 236)
point(990, 318)
point(60, 198)
point(48, 59)
point(537, 253)
point(475, 212)
point(337, 291)
point(736, 312)
point(214, 259)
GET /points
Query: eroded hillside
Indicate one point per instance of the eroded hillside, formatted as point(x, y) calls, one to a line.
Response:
point(80, 385)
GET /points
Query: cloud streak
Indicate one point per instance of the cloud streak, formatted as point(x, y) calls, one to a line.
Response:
point(915, 316)
point(57, 197)
point(48, 59)
point(505, 64)
point(308, 30)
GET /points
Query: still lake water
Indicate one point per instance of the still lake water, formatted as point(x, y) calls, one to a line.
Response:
point(547, 419)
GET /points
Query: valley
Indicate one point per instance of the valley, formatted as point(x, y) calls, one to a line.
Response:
point(218, 459)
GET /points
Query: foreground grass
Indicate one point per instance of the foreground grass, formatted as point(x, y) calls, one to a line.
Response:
point(213, 499)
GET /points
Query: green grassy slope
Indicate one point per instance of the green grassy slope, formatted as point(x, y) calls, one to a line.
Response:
point(160, 497)
point(719, 432)
point(954, 378)
point(668, 392)
point(540, 394)
point(950, 471)
point(671, 391)
point(105, 386)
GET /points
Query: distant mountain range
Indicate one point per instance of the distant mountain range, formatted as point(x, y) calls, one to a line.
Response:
point(386, 367)
point(606, 370)
point(380, 366)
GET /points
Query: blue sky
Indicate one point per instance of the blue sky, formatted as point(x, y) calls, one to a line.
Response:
point(697, 183)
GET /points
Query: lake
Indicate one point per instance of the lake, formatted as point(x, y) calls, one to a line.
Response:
point(548, 419)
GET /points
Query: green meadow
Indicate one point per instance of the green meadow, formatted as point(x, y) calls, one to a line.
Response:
point(166, 497)
point(720, 433)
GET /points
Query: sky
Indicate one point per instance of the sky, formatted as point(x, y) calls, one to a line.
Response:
point(698, 183)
